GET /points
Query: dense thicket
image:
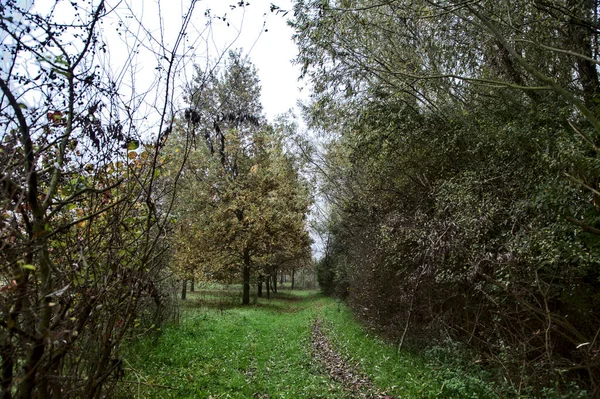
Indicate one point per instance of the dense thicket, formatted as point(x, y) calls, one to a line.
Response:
point(463, 174)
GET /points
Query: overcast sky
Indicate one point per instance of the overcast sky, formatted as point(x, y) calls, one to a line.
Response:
point(272, 52)
point(266, 38)
point(136, 30)
point(271, 49)
point(262, 35)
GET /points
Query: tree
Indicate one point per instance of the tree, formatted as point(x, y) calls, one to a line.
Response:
point(249, 201)
point(83, 243)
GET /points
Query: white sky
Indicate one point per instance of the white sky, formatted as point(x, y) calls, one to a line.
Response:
point(136, 30)
point(262, 35)
point(271, 51)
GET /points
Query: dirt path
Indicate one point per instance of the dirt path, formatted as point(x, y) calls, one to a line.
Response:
point(353, 381)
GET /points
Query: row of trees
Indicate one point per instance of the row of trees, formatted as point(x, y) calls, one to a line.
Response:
point(242, 209)
point(462, 175)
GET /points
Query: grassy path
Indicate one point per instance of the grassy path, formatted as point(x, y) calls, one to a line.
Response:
point(265, 351)
point(339, 369)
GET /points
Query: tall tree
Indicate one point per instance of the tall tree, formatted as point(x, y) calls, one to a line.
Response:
point(251, 201)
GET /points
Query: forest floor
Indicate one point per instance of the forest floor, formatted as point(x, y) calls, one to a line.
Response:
point(298, 344)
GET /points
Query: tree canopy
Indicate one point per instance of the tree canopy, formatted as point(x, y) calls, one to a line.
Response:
point(246, 202)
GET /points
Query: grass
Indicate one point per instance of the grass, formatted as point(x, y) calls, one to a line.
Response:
point(237, 352)
point(223, 350)
point(428, 374)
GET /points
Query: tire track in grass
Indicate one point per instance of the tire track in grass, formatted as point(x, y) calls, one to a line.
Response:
point(353, 381)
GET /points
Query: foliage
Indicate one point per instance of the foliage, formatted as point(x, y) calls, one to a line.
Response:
point(246, 202)
point(83, 234)
point(462, 175)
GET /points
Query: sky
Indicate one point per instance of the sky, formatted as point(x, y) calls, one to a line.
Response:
point(136, 31)
point(270, 48)
point(263, 36)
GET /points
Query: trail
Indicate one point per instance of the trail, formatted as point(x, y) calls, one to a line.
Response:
point(278, 348)
point(338, 369)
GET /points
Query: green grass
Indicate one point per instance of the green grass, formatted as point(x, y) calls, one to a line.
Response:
point(241, 352)
point(429, 374)
point(264, 351)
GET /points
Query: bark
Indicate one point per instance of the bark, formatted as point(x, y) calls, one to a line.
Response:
point(7, 370)
point(31, 368)
point(246, 275)
point(579, 39)
point(293, 272)
point(275, 282)
point(259, 285)
point(184, 289)
point(192, 280)
point(268, 283)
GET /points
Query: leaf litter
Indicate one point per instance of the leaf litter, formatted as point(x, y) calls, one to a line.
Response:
point(356, 383)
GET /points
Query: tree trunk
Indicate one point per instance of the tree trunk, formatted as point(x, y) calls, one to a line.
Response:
point(275, 282)
point(293, 272)
point(268, 283)
point(184, 289)
point(7, 353)
point(579, 39)
point(246, 273)
point(192, 284)
point(259, 284)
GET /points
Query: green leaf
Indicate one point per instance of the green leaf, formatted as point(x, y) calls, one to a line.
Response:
point(133, 145)
point(61, 72)
point(61, 60)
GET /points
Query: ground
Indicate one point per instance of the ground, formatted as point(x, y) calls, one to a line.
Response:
point(299, 344)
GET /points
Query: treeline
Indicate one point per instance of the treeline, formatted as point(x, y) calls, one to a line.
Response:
point(462, 176)
point(240, 213)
